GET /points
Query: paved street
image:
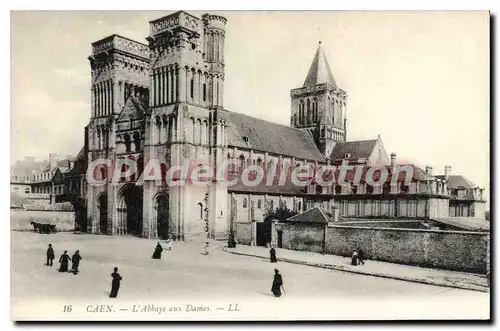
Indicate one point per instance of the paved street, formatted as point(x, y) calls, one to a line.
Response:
point(185, 274)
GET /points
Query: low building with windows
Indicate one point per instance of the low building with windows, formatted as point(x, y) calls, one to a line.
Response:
point(40, 182)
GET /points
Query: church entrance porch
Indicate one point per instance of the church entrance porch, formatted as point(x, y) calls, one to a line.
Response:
point(103, 213)
point(130, 210)
point(162, 216)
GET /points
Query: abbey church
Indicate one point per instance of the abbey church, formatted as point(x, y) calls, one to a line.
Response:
point(164, 100)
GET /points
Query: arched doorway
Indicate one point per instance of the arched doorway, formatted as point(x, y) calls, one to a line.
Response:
point(131, 200)
point(103, 213)
point(162, 216)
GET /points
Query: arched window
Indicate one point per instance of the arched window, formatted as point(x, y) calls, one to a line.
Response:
point(369, 189)
point(192, 88)
point(259, 204)
point(191, 129)
point(200, 210)
point(137, 141)
point(301, 111)
point(241, 163)
point(204, 92)
point(259, 162)
point(315, 110)
point(338, 189)
point(126, 138)
point(244, 202)
point(308, 110)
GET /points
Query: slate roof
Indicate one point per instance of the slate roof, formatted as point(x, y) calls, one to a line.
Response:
point(313, 215)
point(319, 72)
point(456, 181)
point(27, 168)
point(418, 174)
point(271, 137)
point(357, 149)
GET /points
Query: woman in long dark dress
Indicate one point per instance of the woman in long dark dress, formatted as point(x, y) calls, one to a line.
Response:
point(64, 260)
point(277, 284)
point(158, 250)
point(354, 258)
point(115, 283)
point(272, 254)
point(75, 262)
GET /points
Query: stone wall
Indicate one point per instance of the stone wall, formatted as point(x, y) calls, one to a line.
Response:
point(243, 233)
point(452, 250)
point(302, 236)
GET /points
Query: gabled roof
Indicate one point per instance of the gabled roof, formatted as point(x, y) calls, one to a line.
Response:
point(313, 215)
point(271, 137)
point(456, 181)
point(133, 109)
point(355, 150)
point(319, 72)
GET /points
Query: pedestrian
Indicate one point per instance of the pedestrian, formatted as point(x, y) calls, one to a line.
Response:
point(354, 258)
point(50, 255)
point(361, 256)
point(115, 283)
point(277, 283)
point(272, 253)
point(158, 250)
point(64, 260)
point(75, 262)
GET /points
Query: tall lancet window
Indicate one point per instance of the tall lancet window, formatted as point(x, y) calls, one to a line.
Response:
point(315, 110)
point(308, 110)
point(301, 112)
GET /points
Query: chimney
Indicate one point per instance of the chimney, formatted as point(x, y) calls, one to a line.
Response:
point(393, 159)
point(428, 170)
point(447, 171)
point(53, 160)
point(30, 159)
point(71, 161)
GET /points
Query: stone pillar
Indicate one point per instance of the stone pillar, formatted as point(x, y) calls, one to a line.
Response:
point(112, 215)
point(182, 80)
point(168, 90)
point(152, 78)
point(175, 83)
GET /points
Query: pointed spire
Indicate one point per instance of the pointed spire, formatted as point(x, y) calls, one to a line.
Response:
point(319, 72)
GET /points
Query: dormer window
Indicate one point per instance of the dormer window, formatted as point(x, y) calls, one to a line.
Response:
point(246, 139)
point(347, 156)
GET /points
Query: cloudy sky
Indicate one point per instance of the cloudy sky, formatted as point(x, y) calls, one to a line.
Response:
point(419, 79)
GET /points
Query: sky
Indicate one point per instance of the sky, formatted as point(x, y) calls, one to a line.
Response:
point(419, 79)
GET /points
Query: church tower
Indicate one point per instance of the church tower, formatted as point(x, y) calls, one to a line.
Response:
point(319, 106)
point(119, 71)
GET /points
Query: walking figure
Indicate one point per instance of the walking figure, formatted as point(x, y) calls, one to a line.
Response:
point(272, 253)
point(115, 283)
point(277, 283)
point(354, 258)
point(75, 262)
point(157, 253)
point(50, 255)
point(361, 256)
point(64, 260)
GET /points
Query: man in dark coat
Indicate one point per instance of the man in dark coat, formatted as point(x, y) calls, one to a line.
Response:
point(64, 260)
point(277, 283)
point(115, 283)
point(361, 256)
point(50, 255)
point(272, 254)
point(158, 250)
point(75, 262)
